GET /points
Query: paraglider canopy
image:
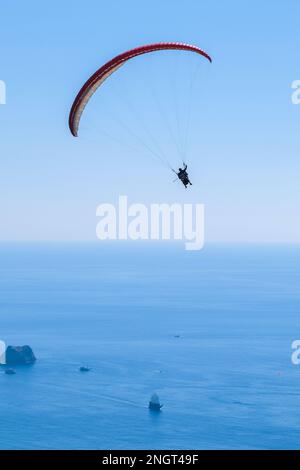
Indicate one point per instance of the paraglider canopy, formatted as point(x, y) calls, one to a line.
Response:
point(96, 80)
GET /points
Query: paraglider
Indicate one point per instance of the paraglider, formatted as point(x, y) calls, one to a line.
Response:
point(106, 70)
point(184, 176)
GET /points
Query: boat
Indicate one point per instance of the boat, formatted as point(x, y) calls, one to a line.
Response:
point(154, 403)
point(84, 369)
point(9, 371)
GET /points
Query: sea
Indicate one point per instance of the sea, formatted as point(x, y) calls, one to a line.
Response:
point(210, 332)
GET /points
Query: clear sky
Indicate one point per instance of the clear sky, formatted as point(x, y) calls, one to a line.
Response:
point(244, 155)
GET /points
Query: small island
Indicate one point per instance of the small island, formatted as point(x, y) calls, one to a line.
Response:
point(19, 355)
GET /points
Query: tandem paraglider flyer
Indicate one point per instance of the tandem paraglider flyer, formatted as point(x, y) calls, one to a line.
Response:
point(149, 232)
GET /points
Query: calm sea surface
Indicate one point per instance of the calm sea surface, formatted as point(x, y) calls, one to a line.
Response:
point(227, 381)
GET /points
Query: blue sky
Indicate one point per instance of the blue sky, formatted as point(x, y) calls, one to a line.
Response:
point(244, 155)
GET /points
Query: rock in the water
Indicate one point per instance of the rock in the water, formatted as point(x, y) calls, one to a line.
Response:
point(19, 355)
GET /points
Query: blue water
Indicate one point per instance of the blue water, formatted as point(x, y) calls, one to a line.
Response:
point(226, 383)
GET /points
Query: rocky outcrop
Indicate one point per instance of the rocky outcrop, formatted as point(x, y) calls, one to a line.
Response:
point(19, 355)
